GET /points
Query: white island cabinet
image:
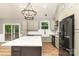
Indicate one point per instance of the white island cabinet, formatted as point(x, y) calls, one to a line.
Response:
point(25, 46)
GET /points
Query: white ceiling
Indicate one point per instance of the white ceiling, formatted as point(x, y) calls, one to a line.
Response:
point(13, 10)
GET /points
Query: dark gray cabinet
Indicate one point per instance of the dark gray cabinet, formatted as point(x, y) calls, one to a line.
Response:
point(25, 51)
point(15, 51)
point(53, 40)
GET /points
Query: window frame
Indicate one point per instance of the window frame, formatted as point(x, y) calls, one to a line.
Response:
point(45, 21)
point(11, 29)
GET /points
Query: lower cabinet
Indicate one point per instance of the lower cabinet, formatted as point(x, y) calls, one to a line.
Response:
point(16, 51)
point(25, 51)
point(53, 40)
point(57, 42)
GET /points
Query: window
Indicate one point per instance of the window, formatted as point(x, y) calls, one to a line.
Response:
point(44, 25)
point(7, 32)
point(11, 31)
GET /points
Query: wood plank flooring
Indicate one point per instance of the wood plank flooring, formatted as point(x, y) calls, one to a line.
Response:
point(5, 51)
point(47, 50)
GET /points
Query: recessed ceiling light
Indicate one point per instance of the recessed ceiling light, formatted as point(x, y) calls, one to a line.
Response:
point(44, 6)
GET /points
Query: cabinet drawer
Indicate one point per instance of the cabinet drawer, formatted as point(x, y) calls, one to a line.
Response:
point(15, 53)
point(16, 48)
point(31, 51)
point(26, 51)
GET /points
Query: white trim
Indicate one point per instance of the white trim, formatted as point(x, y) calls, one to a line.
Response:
point(4, 31)
point(11, 31)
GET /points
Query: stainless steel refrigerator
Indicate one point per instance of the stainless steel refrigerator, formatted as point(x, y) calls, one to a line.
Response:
point(66, 36)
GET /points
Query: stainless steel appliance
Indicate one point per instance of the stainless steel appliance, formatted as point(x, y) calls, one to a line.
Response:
point(66, 40)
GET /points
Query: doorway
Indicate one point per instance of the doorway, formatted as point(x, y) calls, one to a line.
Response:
point(11, 31)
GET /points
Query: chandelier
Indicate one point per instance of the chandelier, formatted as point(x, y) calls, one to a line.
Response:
point(28, 12)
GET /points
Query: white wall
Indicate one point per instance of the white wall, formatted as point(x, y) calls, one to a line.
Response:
point(76, 11)
point(32, 24)
point(12, 13)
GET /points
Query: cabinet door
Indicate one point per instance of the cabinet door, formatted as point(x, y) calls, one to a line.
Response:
point(16, 51)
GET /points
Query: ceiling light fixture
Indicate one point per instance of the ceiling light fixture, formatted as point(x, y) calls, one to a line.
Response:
point(28, 12)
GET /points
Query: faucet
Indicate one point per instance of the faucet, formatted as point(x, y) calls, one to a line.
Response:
point(44, 31)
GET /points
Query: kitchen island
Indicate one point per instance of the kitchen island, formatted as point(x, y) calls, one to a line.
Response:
point(25, 46)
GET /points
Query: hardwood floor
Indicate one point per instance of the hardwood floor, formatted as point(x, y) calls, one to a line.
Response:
point(47, 50)
point(5, 51)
